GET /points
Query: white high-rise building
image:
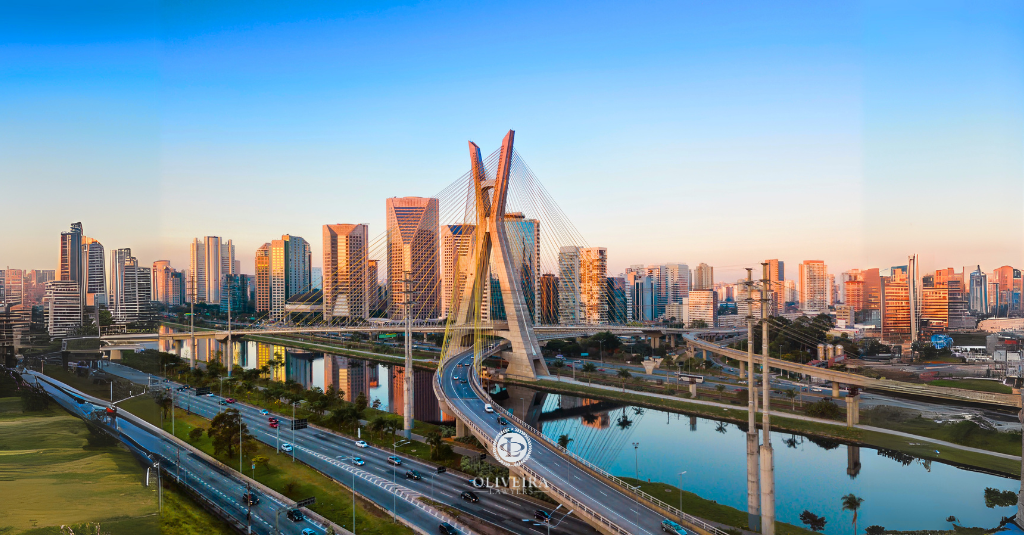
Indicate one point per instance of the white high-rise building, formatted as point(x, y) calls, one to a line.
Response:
point(677, 279)
point(290, 271)
point(95, 272)
point(346, 288)
point(62, 307)
point(702, 306)
point(209, 260)
point(569, 312)
point(814, 287)
point(133, 287)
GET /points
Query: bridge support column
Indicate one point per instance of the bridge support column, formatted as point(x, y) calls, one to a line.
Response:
point(656, 342)
point(852, 410)
point(693, 390)
point(460, 429)
point(835, 390)
point(672, 340)
point(115, 354)
point(743, 369)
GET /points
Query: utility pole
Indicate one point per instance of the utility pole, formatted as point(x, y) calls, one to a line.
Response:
point(192, 319)
point(753, 488)
point(767, 455)
point(409, 373)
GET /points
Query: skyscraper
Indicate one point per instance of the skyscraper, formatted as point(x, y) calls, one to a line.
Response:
point(979, 292)
point(455, 252)
point(290, 259)
point(263, 278)
point(677, 280)
point(412, 243)
point(62, 307)
point(132, 287)
point(777, 286)
point(13, 286)
point(548, 299)
point(703, 277)
point(896, 314)
point(345, 282)
point(71, 254)
point(814, 288)
point(640, 300)
point(524, 243)
point(118, 257)
point(569, 312)
point(594, 284)
point(209, 260)
point(95, 273)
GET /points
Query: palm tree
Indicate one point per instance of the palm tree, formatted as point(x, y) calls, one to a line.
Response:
point(624, 374)
point(589, 368)
point(791, 394)
point(852, 503)
point(720, 388)
point(564, 441)
point(378, 424)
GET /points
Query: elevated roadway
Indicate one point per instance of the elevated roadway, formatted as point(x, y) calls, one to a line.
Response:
point(605, 502)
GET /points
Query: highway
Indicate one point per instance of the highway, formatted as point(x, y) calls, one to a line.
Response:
point(331, 454)
point(224, 489)
point(619, 508)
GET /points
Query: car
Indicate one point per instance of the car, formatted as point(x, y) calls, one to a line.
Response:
point(542, 515)
point(358, 461)
point(296, 516)
point(502, 421)
point(413, 475)
point(286, 447)
point(272, 419)
point(669, 526)
point(488, 407)
point(250, 498)
point(469, 496)
point(230, 400)
point(308, 531)
point(476, 482)
point(264, 412)
point(394, 460)
point(273, 425)
point(464, 381)
point(222, 402)
point(447, 529)
point(210, 395)
point(362, 444)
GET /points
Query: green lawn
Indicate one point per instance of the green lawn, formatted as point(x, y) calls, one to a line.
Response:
point(707, 509)
point(974, 384)
point(295, 480)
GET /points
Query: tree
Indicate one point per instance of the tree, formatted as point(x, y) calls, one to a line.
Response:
point(720, 388)
point(164, 402)
point(875, 530)
point(558, 365)
point(564, 441)
point(260, 461)
point(999, 498)
point(224, 430)
point(624, 375)
point(361, 403)
point(195, 434)
point(439, 450)
point(852, 503)
point(791, 394)
point(698, 324)
point(589, 368)
point(813, 521)
point(378, 424)
point(376, 404)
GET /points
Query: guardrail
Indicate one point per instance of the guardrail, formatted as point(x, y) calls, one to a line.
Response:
point(600, 472)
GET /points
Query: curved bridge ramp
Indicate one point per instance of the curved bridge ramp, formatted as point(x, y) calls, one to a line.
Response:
point(604, 501)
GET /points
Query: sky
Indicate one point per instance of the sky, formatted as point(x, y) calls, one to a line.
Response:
point(718, 132)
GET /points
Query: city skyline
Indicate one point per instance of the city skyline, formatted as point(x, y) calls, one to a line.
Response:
point(825, 116)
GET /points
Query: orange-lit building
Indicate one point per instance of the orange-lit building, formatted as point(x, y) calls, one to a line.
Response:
point(896, 307)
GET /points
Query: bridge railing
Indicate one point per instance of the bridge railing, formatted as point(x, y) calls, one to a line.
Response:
point(635, 490)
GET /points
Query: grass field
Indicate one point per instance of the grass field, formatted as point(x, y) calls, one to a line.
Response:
point(974, 384)
point(295, 480)
point(50, 475)
point(707, 509)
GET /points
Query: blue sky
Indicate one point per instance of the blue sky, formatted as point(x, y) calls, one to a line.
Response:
point(725, 133)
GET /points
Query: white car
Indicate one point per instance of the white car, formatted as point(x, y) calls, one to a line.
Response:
point(264, 412)
point(210, 395)
point(362, 444)
point(358, 461)
point(488, 407)
point(286, 447)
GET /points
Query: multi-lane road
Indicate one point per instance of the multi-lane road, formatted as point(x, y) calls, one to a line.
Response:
point(332, 454)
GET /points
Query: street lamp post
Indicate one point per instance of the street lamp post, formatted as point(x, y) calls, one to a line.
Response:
point(681, 474)
point(601, 344)
point(636, 467)
point(551, 516)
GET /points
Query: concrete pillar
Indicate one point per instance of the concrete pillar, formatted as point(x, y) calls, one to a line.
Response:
point(852, 410)
point(835, 390)
point(753, 487)
point(853, 461)
point(743, 369)
point(672, 340)
point(767, 489)
point(115, 354)
point(657, 341)
point(693, 390)
point(460, 429)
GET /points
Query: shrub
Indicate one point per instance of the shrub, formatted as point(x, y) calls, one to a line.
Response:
point(196, 434)
point(874, 530)
point(999, 498)
point(824, 409)
point(961, 432)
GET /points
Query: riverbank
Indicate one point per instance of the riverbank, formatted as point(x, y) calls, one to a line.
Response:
point(918, 446)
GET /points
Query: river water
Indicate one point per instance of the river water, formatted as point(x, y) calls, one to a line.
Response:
point(899, 491)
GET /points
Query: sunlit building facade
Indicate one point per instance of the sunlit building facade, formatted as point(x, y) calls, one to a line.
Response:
point(412, 255)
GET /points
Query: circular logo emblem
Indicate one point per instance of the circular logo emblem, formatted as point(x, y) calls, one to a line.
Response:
point(512, 447)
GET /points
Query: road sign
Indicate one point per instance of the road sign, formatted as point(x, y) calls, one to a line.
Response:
point(301, 423)
point(202, 391)
point(307, 501)
point(584, 354)
point(388, 335)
